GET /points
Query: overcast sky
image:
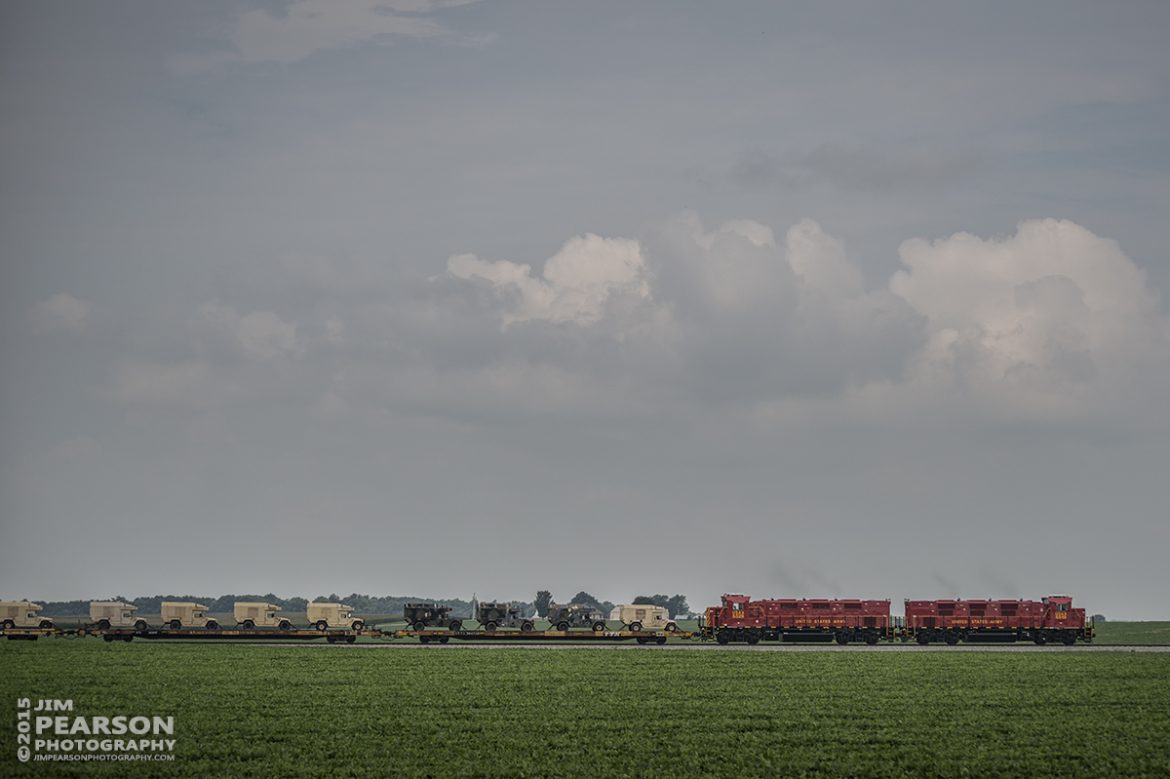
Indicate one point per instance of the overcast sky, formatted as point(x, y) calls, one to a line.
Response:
point(441, 296)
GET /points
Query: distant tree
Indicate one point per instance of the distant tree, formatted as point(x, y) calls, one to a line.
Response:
point(644, 600)
point(543, 599)
point(1098, 618)
point(677, 605)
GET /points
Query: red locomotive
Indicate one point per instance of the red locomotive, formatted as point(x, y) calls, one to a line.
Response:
point(740, 618)
point(1046, 620)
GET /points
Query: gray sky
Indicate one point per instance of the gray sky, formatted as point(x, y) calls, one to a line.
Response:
point(438, 296)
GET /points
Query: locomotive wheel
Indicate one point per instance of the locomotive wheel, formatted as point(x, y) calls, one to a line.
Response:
point(753, 638)
point(455, 626)
point(722, 638)
point(951, 639)
point(322, 625)
point(1068, 639)
point(103, 624)
point(871, 639)
point(249, 625)
point(842, 638)
point(563, 626)
point(490, 627)
point(923, 639)
point(176, 624)
point(1040, 639)
point(636, 627)
point(598, 627)
point(527, 627)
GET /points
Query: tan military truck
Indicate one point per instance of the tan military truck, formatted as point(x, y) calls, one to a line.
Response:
point(22, 614)
point(181, 614)
point(259, 615)
point(333, 615)
point(106, 614)
point(637, 616)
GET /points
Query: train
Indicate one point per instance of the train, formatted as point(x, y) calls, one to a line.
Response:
point(1052, 619)
point(737, 619)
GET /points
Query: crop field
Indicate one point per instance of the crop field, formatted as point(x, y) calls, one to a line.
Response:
point(1132, 633)
point(288, 711)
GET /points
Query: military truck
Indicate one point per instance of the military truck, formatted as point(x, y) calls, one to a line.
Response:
point(491, 615)
point(185, 614)
point(106, 614)
point(637, 616)
point(420, 616)
point(22, 614)
point(575, 615)
point(259, 615)
point(333, 615)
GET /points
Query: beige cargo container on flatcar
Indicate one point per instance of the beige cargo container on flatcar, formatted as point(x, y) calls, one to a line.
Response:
point(184, 614)
point(106, 614)
point(637, 616)
point(333, 615)
point(259, 615)
point(22, 614)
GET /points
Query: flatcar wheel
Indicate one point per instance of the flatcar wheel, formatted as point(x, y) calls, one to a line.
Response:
point(660, 640)
point(444, 639)
point(421, 640)
point(107, 638)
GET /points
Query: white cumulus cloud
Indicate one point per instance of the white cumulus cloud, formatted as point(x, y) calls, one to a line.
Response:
point(576, 285)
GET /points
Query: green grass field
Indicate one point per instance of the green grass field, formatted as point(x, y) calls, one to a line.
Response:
point(1133, 633)
point(289, 711)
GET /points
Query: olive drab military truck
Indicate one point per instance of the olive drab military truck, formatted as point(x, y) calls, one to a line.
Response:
point(420, 616)
point(22, 614)
point(183, 614)
point(106, 614)
point(639, 616)
point(333, 615)
point(259, 615)
point(492, 615)
point(575, 615)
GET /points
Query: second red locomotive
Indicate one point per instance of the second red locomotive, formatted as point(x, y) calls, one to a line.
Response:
point(1049, 620)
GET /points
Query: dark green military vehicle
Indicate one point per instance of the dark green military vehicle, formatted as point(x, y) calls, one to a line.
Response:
point(492, 615)
point(575, 615)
